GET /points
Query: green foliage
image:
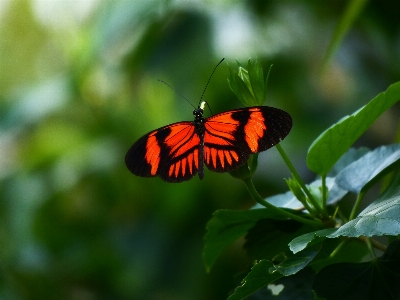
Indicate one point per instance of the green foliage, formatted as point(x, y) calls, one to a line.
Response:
point(282, 247)
point(370, 168)
point(259, 276)
point(248, 84)
point(326, 150)
point(226, 226)
point(377, 279)
point(78, 85)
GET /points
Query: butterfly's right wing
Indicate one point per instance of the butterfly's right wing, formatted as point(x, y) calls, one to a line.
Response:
point(170, 152)
point(230, 137)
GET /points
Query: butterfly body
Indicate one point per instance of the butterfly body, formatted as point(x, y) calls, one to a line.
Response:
point(223, 142)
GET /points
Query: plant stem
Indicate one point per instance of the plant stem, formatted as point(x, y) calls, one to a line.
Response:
point(337, 249)
point(371, 250)
point(375, 243)
point(356, 205)
point(254, 194)
point(298, 178)
point(324, 194)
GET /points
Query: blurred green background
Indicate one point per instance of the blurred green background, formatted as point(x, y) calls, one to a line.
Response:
point(78, 85)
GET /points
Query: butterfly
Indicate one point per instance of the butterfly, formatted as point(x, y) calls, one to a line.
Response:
point(223, 142)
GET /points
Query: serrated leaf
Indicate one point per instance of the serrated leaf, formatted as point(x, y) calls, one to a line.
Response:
point(296, 262)
point(382, 217)
point(258, 277)
point(226, 226)
point(368, 169)
point(378, 279)
point(336, 140)
point(302, 241)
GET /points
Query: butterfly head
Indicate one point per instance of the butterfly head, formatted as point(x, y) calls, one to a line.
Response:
point(198, 113)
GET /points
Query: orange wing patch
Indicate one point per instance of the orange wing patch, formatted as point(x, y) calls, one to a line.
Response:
point(184, 167)
point(219, 159)
point(224, 142)
point(181, 139)
point(152, 155)
point(221, 129)
point(254, 129)
point(220, 143)
point(182, 145)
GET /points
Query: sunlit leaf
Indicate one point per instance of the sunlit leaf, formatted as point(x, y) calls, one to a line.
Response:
point(336, 140)
point(301, 242)
point(368, 169)
point(349, 157)
point(382, 217)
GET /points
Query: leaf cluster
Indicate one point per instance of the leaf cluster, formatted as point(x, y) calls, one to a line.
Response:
point(306, 229)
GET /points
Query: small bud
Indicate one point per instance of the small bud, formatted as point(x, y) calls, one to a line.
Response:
point(296, 189)
point(248, 84)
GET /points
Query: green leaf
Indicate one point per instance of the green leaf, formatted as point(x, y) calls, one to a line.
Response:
point(349, 157)
point(368, 169)
point(352, 251)
point(234, 87)
point(378, 279)
point(248, 85)
point(258, 277)
point(296, 189)
point(296, 262)
point(288, 200)
point(239, 87)
point(335, 141)
point(226, 226)
point(301, 242)
point(270, 237)
point(297, 286)
point(382, 217)
point(246, 95)
point(244, 76)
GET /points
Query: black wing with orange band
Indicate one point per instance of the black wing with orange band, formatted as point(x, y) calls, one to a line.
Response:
point(170, 152)
point(230, 137)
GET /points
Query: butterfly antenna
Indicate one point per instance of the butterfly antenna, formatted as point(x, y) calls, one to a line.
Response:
point(201, 98)
point(209, 108)
point(176, 92)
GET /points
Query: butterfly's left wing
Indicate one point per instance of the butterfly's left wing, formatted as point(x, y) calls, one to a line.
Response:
point(230, 137)
point(170, 152)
